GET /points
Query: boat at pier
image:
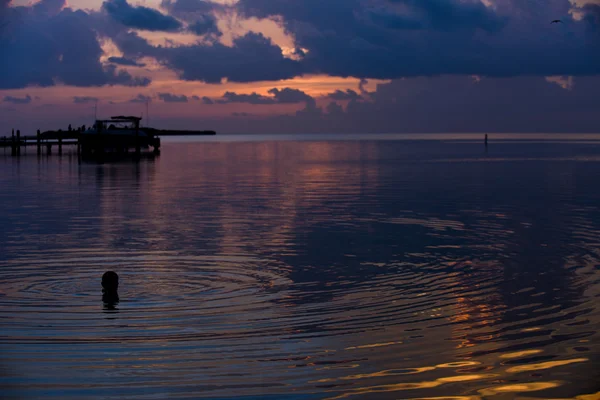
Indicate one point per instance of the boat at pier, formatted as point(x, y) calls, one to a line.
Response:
point(119, 134)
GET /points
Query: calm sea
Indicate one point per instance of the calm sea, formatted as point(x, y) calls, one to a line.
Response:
point(305, 267)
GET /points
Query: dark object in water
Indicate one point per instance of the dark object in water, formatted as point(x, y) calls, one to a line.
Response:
point(110, 282)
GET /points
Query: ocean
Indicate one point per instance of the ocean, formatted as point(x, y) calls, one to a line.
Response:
point(305, 267)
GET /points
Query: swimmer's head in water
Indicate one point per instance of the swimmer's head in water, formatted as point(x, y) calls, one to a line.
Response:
point(110, 281)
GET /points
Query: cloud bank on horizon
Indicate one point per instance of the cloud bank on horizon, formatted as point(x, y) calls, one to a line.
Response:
point(47, 44)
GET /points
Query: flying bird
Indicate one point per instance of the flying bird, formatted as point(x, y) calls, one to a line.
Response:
point(556, 21)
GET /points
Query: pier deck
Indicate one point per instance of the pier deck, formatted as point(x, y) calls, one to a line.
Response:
point(95, 143)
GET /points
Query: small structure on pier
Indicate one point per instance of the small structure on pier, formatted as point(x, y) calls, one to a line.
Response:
point(120, 134)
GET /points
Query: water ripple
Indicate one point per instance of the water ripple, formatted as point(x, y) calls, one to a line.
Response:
point(303, 270)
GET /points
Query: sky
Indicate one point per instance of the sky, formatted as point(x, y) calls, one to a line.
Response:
point(291, 66)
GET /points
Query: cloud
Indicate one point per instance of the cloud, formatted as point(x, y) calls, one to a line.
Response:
point(459, 104)
point(17, 100)
point(349, 94)
point(84, 100)
point(172, 98)
point(288, 95)
point(140, 17)
point(54, 45)
point(212, 62)
point(452, 15)
point(205, 25)
point(140, 98)
point(279, 96)
point(398, 38)
point(125, 61)
point(182, 7)
point(253, 98)
point(122, 77)
point(207, 100)
point(194, 97)
point(334, 108)
point(49, 7)
point(405, 38)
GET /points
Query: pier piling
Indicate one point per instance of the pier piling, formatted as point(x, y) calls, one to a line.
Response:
point(13, 148)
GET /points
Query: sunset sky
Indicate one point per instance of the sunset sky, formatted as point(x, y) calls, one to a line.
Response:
point(282, 66)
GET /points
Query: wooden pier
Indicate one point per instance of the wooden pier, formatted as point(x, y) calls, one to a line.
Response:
point(102, 139)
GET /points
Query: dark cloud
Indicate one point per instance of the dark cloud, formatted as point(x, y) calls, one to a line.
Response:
point(172, 98)
point(241, 114)
point(51, 44)
point(207, 100)
point(279, 96)
point(288, 95)
point(49, 7)
point(205, 25)
point(195, 98)
point(334, 108)
point(17, 100)
point(182, 7)
point(133, 45)
point(254, 98)
point(399, 38)
point(453, 15)
point(403, 38)
point(459, 104)
point(122, 77)
point(125, 61)
point(592, 17)
point(84, 100)
point(260, 57)
point(362, 88)
point(349, 94)
point(140, 17)
point(140, 98)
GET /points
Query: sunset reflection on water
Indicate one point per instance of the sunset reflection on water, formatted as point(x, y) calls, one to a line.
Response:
point(304, 269)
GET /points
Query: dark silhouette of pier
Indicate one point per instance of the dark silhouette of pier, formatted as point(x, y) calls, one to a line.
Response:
point(104, 138)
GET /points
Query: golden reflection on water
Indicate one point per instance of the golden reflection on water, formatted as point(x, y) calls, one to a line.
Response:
point(519, 388)
point(544, 365)
point(368, 346)
point(523, 353)
point(411, 386)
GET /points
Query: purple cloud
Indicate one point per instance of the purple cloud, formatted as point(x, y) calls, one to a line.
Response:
point(17, 100)
point(125, 61)
point(84, 100)
point(172, 98)
point(349, 94)
point(140, 98)
point(61, 47)
point(140, 17)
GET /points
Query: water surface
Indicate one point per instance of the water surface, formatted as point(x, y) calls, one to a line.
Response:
point(306, 268)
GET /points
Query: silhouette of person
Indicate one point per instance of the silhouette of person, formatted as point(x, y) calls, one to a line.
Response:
point(110, 284)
